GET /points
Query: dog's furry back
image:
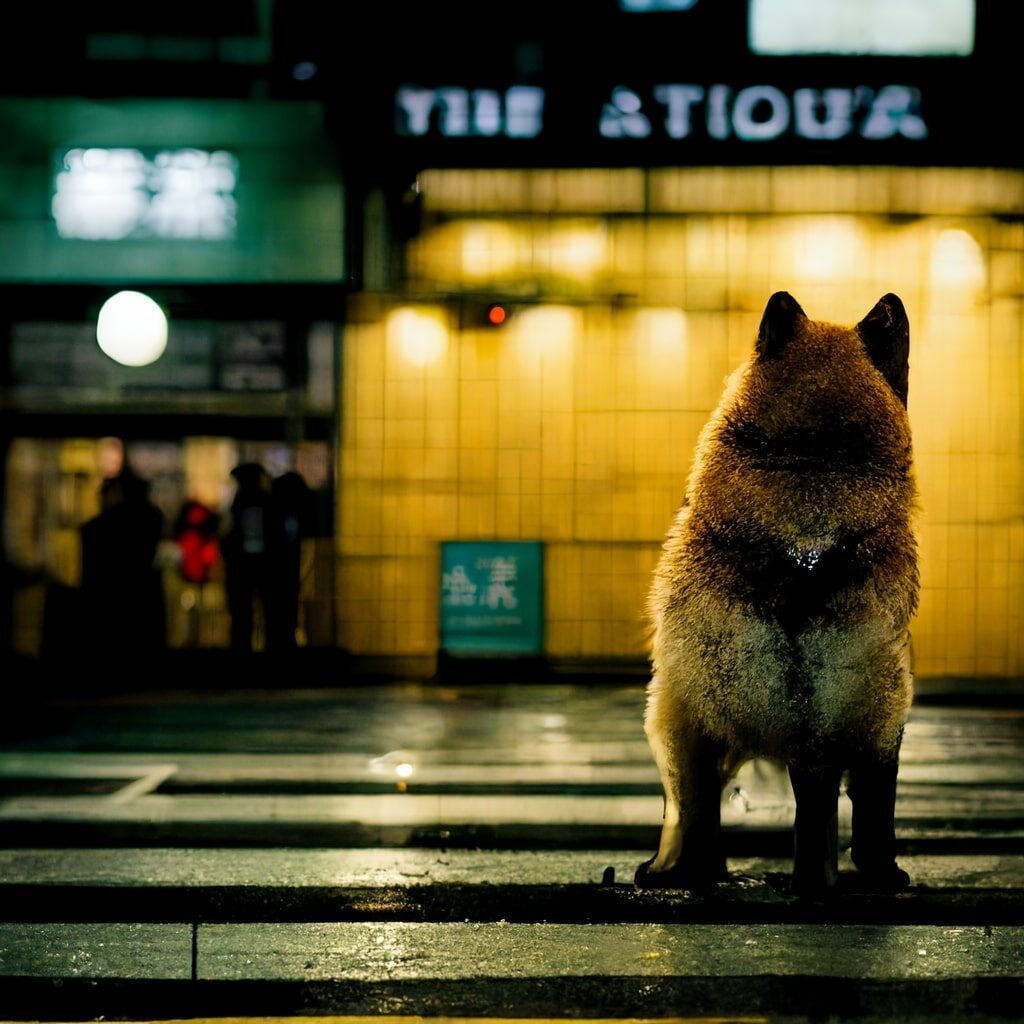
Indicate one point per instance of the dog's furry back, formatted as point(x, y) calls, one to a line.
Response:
point(781, 602)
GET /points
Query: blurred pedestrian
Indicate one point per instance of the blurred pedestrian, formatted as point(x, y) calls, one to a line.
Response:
point(246, 550)
point(124, 608)
point(291, 524)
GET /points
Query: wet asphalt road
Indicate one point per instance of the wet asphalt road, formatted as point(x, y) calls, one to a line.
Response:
point(442, 849)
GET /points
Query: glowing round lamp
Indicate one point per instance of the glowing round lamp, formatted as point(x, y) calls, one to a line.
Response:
point(132, 329)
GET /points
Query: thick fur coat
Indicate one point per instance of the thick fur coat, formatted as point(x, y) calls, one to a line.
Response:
point(781, 603)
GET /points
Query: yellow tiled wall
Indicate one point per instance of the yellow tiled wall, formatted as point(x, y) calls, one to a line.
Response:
point(574, 423)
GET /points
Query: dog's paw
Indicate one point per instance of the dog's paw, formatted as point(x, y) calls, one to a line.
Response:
point(882, 878)
point(678, 876)
point(644, 878)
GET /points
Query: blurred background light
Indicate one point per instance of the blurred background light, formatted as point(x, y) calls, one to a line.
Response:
point(132, 329)
point(957, 264)
point(578, 250)
point(911, 28)
point(661, 331)
point(547, 333)
point(490, 249)
point(418, 334)
point(827, 248)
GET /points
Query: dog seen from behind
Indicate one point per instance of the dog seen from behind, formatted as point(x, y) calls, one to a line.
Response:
point(781, 602)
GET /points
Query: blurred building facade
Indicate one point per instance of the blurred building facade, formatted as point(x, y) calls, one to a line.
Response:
point(686, 163)
point(152, 153)
point(628, 182)
point(575, 421)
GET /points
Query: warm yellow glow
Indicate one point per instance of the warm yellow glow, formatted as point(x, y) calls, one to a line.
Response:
point(576, 424)
point(475, 251)
point(78, 455)
point(418, 334)
point(403, 770)
point(577, 250)
point(208, 462)
point(826, 248)
point(661, 331)
point(546, 332)
point(490, 250)
point(957, 262)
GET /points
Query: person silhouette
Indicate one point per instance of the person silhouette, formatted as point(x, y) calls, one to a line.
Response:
point(246, 550)
point(291, 516)
point(124, 606)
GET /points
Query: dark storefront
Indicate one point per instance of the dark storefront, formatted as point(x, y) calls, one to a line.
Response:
point(228, 214)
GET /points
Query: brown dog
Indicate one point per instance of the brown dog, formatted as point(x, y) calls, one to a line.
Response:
point(781, 603)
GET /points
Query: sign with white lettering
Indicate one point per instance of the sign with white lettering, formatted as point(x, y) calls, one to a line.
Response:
point(124, 193)
point(754, 113)
point(456, 113)
point(492, 597)
point(763, 112)
point(660, 83)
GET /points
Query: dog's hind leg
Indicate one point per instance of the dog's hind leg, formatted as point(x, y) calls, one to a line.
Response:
point(690, 849)
point(872, 790)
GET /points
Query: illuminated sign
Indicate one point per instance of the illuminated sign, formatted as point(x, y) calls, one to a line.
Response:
point(890, 28)
point(124, 193)
point(492, 597)
point(518, 113)
point(764, 112)
point(755, 113)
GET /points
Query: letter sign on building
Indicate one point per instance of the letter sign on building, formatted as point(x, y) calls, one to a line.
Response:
point(518, 113)
point(760, 113)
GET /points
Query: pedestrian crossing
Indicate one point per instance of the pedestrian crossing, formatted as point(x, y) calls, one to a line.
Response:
point(437, 851)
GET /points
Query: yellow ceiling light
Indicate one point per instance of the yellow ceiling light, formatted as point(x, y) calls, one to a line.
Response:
point(490, 250)
point(661, 331)
point(957, 263)
point(827, 248)
point(418, 334)
point(546, 333)
point(577, 250)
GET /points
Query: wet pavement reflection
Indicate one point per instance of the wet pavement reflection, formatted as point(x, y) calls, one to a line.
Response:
point(470, 848)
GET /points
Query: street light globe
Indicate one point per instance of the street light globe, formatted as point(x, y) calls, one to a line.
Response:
point(132, 329)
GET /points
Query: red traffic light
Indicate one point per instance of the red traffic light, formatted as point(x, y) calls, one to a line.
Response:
point(486, 313)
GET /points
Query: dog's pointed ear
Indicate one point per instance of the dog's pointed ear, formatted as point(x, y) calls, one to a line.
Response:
point(885, 332)
point(779, 323)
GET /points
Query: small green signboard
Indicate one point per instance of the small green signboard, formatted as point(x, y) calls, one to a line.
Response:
point(492, 597)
